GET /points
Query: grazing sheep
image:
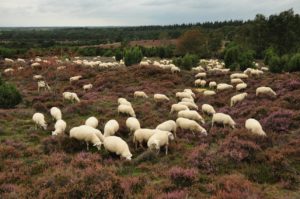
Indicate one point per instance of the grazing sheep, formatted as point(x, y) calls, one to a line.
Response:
point(144, 63)
point(237, 98)
point(159, 139)
point(236, 81)
point(223, 119)
point(132, 124)
point(61, 68)
point(187, 124)
point(190, 105)
point(60, 127)
point(87, 87)
point(75, 78)
point(188, 90)
point(37, 77)
point(209, 93)
point(8, 61)
point(200, 75)
point(87, 134)
point(39, 120)
point(126, 109)
point(175, 69)
point(265, 90)
point(142, 135)
point(92, 122)
point(111, 127)
point(123, 101)
point(181, 95)
point(238, 75)
point(117, 145)
point(254, 126)
point(241, 86)
point(212, 84)
point(208, 109)
point(56, 113)
point(43, 84)
point(70, 96)
point(140, 94)
point(188, 100)
point(9, 71)
point(160, 98)
point(223, 86)
point(21, 60)
point(35, 65)
point(169, 125)
point(192, 115)
point(178, 107)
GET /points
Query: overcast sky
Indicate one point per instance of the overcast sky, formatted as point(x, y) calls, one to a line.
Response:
point(133, 12)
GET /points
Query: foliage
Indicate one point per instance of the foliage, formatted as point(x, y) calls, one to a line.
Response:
point(294, 63)
point(275, 64)
point(279, 121)
point(238, 58)
point(9, 95)
point(133, 56)
point(182, 177)
point(186, 62)
point(118, 55)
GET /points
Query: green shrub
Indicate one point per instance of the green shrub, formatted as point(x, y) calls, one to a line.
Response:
point(269, 53)
point(119, 54)
point(133, 56)
point(275, 64)
point(246, 60)
point(186, 62)
point(231, 56)
point(294, 63)
point(284, 60)
point(9, 95)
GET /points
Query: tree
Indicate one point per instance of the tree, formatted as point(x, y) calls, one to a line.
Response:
point(133, 56)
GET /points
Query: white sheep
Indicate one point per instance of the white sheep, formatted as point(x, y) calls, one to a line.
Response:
point(265, 90)
point(200, 75)
point(56, 113)
point(238, 75)
point(9, 71)
point(140, 94)
point(241, 86)
point(92, 122)
point(144, 63)
point(208, 109)
point(178, 107)
point(181, 95)
point(70, 96)
point(175, 69)
point(8, 61)
point(126, 109)
point(75, 78)
point(37, 77)
point(169, 125)
point(160, 97)
point(111, 127)
point(87, 134)
point(21, 60)
point(209, 93)
point(142, 135)
point(237, 98)
point(192, 115)
point(123, 101)
point(33, 65)
point(190, 105)
point(87, 87)
point(132, 124)
point(117, 145)
point(159, 139)
point(188, 100)
point(44, 85)
point(212, 84)
point(60, 127)
point(223, 86)
point(61, 68)
point(39, 120)
point(254, 126)
point(224, 119)
point(187, 124)
point(236, 81)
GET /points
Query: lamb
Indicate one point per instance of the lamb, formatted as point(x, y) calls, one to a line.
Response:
point(190, 105)
point(241, 86)
point(87, 87)
point(208, 109)
point(92, 122)
point(56, 113)
point(71, 96)
point(192, 115)
point(187, 124)
point(236, 81)
point(39, 120)
point(169, 125)
point(178, 107)
point(223, 86)
point(254, 126)
point(123, 101)
point(159, 139)
point(126, 109)
point(209, 93)
point(200, 75)
point(184, 95)
point(160, 98)
point(117, 145)
point(142, 135)
point(60, 127)
point(87, 134)
point(111, 127)
point(75, 78)
point(224, 119)
point(43, 84)
point(140, 94)
point(237, 98)
point(265, 90)
point(212, 84)
point(132, 124)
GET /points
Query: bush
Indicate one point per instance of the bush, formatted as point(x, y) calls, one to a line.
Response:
point(9, 95)
point(133, 56)
point(294, 63)
point(186, 62)
point(275, 64)
point(231, 56)
point(269, 53)
point(183, 177)
point(119, 55)
point(246, 60)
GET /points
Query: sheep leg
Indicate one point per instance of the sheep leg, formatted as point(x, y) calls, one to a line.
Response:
point(166, 149)
point(141, 145)
point(135, 145)
point(87, 145)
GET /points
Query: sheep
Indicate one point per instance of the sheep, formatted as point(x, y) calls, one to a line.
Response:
point(92, 122)
point(236, 81)
point(208, 109)
point(37, 77)
point(75, 78)
point(198, 82)
point(190, 105)
point(178, 107)
point(132, 124)
point(223, 86)
point(254, 126)
point(160, 98)
point(142, 135)
point(87, 87)
point(8, 61)
point(212, 84)
point(70, 96)
point(169, 125)
point(224, 119)
point(209, 93)
point(188, 100)
point(33, 65)
point(159, 139)
point(237, 98)
point(144, 63)
point(265, 90)
point(238, 75)
point(264, 68)
point(123, 101)
point(9, 71)
point(87, 134)
point(140, 94)
point(21, 60)
point(61, 68)
point(60, 127)
point(43, 84)
point(175, 69)
point(184, 95)
point(192, 115)
point(200, 75)
point(117, 145)
point(126, 109)
point(39, 120)
point(111, 127)
point(241, 86)
point(56, 113)
point(187, 124)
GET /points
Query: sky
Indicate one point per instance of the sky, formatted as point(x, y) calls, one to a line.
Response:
point(133, 12)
